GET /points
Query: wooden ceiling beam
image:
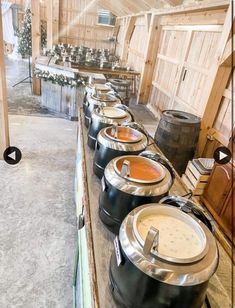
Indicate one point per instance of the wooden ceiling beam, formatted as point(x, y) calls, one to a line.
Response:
point(174, 2)
point(112, 7)
point(139, 5)
point(129, 7)
point(151, 3)
point(183, 9)
point(199, 7)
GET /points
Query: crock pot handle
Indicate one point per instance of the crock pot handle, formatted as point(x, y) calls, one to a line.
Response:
point(125, 171)
point(151, 241)
point(114, 91)
point(138, 127)
point(165, 162)
point(127, 109)
point(101, 109)
point(114, 130)
point(85, 97)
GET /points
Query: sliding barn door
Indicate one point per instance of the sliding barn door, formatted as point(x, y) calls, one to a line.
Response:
point(184, 65)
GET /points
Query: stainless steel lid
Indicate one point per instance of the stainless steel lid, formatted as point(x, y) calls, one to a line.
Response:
point(157, 184)
point(104, 97)
point(169, 245)
point(123, 134)
point(110, 115)
point(136, 143)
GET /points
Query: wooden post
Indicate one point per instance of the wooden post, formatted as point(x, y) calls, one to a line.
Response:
point(52, 23)
point(150, 59)
point(127, 37)
point(36, 41)
point(4, 126)
point(222, 73)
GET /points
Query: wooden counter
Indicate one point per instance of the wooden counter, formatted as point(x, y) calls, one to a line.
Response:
point(96, 242)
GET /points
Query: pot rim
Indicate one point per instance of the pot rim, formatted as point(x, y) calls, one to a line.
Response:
point(104, 97)
point(138, 134)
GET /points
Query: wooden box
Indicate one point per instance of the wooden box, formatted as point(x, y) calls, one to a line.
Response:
point(194, 180)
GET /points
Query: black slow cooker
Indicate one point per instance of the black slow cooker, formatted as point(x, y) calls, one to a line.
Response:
point(128, 182)
point(97, 99)
point(114, 141)
point(163, 258)
point(103, 117)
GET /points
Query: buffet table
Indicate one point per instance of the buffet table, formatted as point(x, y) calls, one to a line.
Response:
point(95, 242)
point(109, 72)
point(62, 100)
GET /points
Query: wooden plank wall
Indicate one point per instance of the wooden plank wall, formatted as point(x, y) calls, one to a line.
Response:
point(188, 44)
point(138, 41)
point(137, 44)
point(184, 61)
point(78, 24)
point(223, 122)
point(221, 131)
point(121, 23)
point(76, 27)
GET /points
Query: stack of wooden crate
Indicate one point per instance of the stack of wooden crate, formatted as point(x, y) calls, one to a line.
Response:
point(196, 178)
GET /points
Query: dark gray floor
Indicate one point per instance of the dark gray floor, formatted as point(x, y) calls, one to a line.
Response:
point(38, 215)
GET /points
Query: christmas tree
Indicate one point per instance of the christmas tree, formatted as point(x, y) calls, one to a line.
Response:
point(25, 35)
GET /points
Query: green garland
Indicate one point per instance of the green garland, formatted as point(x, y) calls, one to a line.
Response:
point(58, 79)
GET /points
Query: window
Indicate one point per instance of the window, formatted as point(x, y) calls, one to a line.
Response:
point(106, 18)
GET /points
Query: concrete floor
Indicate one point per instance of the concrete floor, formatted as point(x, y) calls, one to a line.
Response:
point(38, 215)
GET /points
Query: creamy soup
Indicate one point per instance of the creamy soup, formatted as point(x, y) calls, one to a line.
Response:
point(112, 112)
point(176, 238)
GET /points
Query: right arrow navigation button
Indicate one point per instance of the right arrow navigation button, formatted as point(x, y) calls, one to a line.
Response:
point(222, 155)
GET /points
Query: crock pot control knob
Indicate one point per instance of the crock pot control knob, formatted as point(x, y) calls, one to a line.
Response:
point(125, 171)
point(151, 241)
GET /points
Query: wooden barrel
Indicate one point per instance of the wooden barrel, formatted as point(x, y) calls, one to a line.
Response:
point(123, 89)
point(177, 136)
